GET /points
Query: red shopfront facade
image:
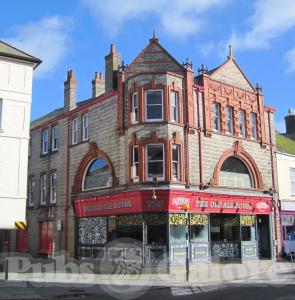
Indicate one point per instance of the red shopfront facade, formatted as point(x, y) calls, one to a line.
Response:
point(220, 225)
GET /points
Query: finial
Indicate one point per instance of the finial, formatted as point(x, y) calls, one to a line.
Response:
point(70, 75)
point(187, 64)
point(230, 55)
point(154, 39)
point(202, 70)
point(154, 33)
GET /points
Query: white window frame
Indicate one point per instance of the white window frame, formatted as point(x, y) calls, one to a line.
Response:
point(242, 123)
point(147, 162)
point(75, 131)
point(43, 189)
point(174, 114)
point(54, 137)
point(45, 142)
point(1, 114)
point(85, 127)
point(146, 106)
point(134, 108)
point(216, 114)
point(292, 180)
point(31, 186)
point(135, 177)
point(52, 191)
point(253, 117)
point(177, 147)
point(229, 114)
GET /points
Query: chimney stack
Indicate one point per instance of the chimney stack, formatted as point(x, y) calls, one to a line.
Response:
point(290, 122)
point(70, 92)
point(98, 85)
point(112, 62)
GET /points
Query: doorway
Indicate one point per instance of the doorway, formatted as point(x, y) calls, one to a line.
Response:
point(264, 244)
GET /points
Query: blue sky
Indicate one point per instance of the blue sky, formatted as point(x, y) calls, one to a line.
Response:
point(77, 34)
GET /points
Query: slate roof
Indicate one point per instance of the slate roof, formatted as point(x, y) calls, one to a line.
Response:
point(285, 144)
point(9, 51)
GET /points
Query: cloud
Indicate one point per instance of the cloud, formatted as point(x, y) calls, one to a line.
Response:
point(271, 18)
point(177, 18)
point(47, 39)
point(280, 126)
point(290, 59)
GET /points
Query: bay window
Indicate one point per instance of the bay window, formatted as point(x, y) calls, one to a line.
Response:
point(74, 131)
point(53, 188)
point(43, 190)
point(135, 163)
point(216, 116)
point(45, 141)
point(154, 105)
point(134, 108)
point(54, 138)
point(175, 163)
point(85, 126)
point(174, 106)
point(155, 161)
point(253, 122)
point(229, 120)
point(242, 125)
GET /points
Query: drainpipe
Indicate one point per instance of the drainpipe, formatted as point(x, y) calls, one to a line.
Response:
point(273, 184)
point(200, 130)
point(186, 129)
point(67, 194)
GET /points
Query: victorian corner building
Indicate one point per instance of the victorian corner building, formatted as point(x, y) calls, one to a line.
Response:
point(153, 137)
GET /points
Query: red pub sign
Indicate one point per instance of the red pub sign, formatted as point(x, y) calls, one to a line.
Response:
point(171, 200)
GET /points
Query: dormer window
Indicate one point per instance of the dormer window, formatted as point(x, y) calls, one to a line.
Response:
point(154, 105)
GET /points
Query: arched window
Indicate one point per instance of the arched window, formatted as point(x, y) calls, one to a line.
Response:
point(97, 175)
point(234, 173)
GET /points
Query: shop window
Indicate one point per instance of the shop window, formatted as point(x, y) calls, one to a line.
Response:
point(135, 164)
point(242, 125)
point(97, 175)
point(199, 227)
point(174, 106)
point(229, 120)
point(45, 141)
point(216, 116)
point(43, 189)
point(154, 105)
point(74, 131)
point(234, 173)
point(155, 161)
point(53, 188)
point(54, 138)
point(156, 229)
point(292, 176)
point(248, 227)
point(85, 127)
point(253, 123)
point(175, 162)
point(134, 108)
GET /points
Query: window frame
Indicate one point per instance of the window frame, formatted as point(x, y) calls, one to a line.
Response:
point(54, 138)
point(52, 188)
point(134, 176)
point(292, 180)
point(146, 105)
point(216, 116)
point(229, 116)
point(243, 128)
point(45, 145)
point(134, 116)
point(31, 187)
point(173, 178)
point(253, 116)
point(85, 128)
point(43, 189)
point(174, 107)
point(162, 178)
point(74, 131)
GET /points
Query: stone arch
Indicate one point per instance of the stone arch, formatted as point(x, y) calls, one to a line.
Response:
point(238, 151)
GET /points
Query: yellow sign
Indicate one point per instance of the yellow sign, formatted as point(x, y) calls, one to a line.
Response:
point(22, 225)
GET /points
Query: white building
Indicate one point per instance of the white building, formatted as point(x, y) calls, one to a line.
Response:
point(16, 72)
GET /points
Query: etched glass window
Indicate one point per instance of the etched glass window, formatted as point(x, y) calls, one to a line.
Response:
point(234, 173)
point(97, 175)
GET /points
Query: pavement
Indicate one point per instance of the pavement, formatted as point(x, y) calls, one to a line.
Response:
point(203, 277)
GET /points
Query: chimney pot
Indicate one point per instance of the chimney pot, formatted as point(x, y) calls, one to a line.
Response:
point(98, 85)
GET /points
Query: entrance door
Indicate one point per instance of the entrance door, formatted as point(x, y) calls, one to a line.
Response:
point(264, 246)
point(46, 237)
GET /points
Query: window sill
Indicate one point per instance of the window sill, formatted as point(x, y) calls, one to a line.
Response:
point(53, 151)
point(79, 143)
point(44, 154)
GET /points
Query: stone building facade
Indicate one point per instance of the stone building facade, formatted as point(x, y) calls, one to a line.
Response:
point(152, 138)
